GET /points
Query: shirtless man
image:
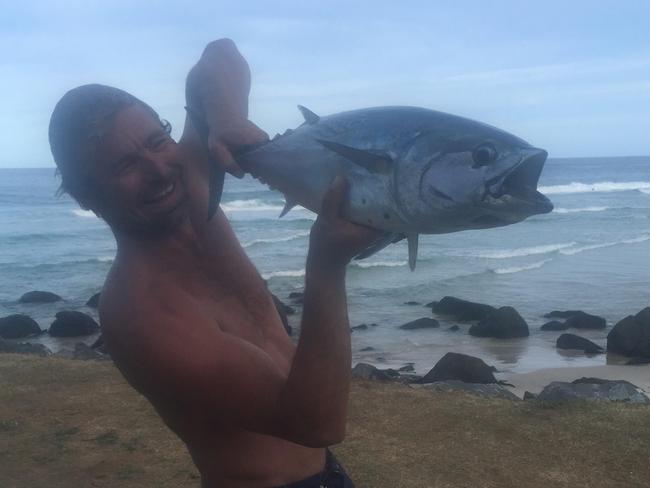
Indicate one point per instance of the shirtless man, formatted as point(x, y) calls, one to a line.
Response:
point(186, 316)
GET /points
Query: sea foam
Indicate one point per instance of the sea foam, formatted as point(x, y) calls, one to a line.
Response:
point(517, 269)
point(271, 240)
point(601, 186)
point(523, 251)
point(590, 247)
point(561, 210)
point(284, 274)
point(87, 214)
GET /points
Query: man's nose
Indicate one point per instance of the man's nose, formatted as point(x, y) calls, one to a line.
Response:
point(158, 166)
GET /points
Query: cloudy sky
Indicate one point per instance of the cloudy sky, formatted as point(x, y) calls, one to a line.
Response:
point(569, 76)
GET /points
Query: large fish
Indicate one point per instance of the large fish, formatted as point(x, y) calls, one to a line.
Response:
point(410, 170)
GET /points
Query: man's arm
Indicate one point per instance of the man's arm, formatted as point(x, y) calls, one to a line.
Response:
point(177, 354)
point(217, 89)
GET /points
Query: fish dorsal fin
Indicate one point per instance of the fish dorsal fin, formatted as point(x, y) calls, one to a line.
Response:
point(413, 249)
point(310, 117)
point(375, 163)
point(289, 203)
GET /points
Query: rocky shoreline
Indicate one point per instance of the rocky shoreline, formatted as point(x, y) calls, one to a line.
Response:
point(629, 337)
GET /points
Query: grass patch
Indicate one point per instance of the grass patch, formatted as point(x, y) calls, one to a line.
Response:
point(75, 423)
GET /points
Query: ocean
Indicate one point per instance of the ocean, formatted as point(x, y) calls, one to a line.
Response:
point(591, 253)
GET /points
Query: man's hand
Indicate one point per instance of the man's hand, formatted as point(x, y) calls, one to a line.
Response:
point(334, 241)
point(218, 87)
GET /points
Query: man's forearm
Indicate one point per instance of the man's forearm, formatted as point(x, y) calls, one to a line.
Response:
point(319, 381)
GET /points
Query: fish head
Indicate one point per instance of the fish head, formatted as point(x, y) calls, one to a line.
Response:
point(468, 176)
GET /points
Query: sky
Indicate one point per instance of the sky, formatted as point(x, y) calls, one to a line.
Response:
point(572, 77)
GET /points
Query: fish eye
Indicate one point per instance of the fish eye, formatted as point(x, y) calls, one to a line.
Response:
point(484, 154)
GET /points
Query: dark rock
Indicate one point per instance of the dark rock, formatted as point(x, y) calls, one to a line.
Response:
point(93, 301)
point(559, 314)
point(616, 391)
point(70, 323)
point(24, 348)
point(584, 320)
point(454, 328)
point(407, 368)
point(486, 390)
point(572, 341)
point(84, 352)
point(366, 349)
point(555, 325)
point(282, 312)
point(297, 297)
point(423, 323)
point(631, 336)
point(454, 366)
point(369, 372)
point(359, 327)
point(504, 323)
point(373, 325)
point(529, 396)
point(462, 309)
point(636, 361)
point(412, 303)
point(431, 304)
point(39, 297)
point(17, 326)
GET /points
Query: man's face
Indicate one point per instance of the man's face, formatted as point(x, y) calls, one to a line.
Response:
point(139, 176)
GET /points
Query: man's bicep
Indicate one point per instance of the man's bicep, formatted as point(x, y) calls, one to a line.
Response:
point(215, 375)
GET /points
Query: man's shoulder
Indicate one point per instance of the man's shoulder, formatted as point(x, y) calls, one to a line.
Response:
point(134, 299)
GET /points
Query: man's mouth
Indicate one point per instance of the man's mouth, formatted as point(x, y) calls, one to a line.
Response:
point(160, 195)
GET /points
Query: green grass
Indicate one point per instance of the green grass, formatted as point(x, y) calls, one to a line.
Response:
point(77, 423)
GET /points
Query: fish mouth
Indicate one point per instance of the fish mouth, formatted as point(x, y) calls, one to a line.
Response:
point(518, 185)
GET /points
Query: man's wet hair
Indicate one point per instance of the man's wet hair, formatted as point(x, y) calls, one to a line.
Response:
point(77, 126)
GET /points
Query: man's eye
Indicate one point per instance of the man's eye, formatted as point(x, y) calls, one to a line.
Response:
point(158, 143)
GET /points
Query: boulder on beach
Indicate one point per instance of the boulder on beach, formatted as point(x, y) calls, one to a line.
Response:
point(70, 323)
point(461, 367)
point(297, 297)
point(572, 341)
point(359, 327)
point(593, 389)
point(583, 320)
point(369, 372)
point(17, 326)
point(24, 348)
point(462, 309)
point(93, 301)
point(39, 297)
point(561, 314)
point(423, 323)
point(504, 323)
point(555, 325)
point(631, 336)
point(412, 302)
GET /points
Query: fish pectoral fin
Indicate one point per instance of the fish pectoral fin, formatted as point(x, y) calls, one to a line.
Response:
point(310, 117)
point(373, 162)
point(385, 240)
point(413, 249)
point(289, 203)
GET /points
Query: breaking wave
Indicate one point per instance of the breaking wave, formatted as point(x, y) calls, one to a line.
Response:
point(88, 214)
point(272, 240)
point(379, 264)
point(524, 251)
point(299, 273)
point(644, 191)
point(517, 269)
point(254, 205)
point(576, 210)
point(636, 240)
point(601, 186)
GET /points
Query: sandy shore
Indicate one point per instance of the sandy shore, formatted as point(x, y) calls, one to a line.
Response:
point(535, 381)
